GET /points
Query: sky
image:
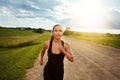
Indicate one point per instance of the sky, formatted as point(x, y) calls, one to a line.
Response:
point(79, 15)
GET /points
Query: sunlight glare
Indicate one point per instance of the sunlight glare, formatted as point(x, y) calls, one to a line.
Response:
point(88, 14)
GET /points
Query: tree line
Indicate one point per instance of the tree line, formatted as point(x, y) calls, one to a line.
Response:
point(37, 30)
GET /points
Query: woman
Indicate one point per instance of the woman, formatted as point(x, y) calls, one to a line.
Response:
point(57, 49)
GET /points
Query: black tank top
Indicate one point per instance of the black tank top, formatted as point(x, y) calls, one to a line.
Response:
point(55, 60)
point(54, 68)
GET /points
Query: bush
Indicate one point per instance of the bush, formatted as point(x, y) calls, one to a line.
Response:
point(67, 32)
point(40, 30)
point(109, 35)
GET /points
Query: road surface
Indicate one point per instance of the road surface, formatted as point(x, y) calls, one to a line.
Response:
point(91, 62)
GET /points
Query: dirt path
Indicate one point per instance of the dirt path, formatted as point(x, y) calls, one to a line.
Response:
point(91, 62)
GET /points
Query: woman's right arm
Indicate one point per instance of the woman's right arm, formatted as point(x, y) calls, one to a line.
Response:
point(43, 52)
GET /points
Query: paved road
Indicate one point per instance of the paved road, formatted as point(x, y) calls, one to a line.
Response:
point(91, 62)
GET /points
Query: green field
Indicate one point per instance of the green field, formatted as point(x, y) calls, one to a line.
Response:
point(99, 38)
point(109, 41)
point(18, 51)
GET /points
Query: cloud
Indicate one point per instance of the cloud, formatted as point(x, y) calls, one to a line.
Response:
point(5, 11)
point(112, 18)
point(44, 12)
point(52, 9)
point(56, 11)
point(116, 18)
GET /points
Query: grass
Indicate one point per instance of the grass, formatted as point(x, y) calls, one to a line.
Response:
point(109, 41)
point(5, 32)
point(15, 37)
point(15, 59)
point(17, 40)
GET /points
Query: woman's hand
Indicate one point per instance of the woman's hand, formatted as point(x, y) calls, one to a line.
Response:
point(67, 52)
point(62, 48)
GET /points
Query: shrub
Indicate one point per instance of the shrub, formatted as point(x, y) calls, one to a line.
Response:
point(40, 30)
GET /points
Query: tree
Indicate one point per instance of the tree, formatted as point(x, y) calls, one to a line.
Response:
point(40, 30)
point(109, 35)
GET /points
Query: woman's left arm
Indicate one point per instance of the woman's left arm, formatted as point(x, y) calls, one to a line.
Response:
point(67, 52)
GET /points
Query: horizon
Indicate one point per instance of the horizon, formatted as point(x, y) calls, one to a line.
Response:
point(103, 32)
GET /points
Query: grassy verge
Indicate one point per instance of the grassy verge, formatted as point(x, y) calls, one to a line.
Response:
point(14, 60)
point(15, 41)
point(109, 41)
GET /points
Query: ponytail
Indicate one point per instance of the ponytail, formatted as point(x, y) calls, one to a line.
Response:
point(51, 38)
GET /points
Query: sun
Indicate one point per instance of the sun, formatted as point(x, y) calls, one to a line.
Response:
point(88, 14)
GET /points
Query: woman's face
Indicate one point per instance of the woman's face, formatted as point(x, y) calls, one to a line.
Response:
point(57, 32)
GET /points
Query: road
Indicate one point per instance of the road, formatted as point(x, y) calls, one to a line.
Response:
point(91, 62)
